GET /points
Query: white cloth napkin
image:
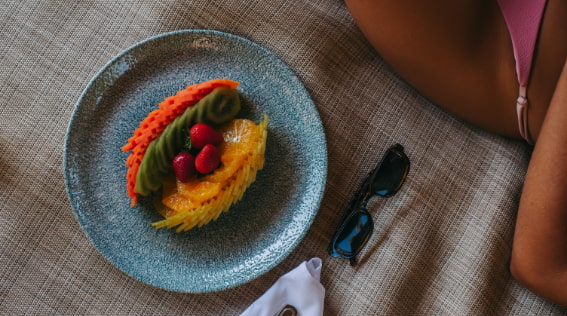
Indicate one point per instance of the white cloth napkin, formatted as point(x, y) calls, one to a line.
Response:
point(300, 288)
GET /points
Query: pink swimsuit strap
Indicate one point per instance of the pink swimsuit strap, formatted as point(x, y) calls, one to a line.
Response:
point(523, 18)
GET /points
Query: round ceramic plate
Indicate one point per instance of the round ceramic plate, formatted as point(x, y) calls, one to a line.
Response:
point(261, 229)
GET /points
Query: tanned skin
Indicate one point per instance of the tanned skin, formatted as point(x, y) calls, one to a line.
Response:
point(459, 55)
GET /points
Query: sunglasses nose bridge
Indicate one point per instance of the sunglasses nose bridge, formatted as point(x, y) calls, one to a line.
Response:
point(363, 201)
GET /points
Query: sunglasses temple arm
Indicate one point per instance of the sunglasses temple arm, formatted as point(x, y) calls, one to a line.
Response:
point(352, 261)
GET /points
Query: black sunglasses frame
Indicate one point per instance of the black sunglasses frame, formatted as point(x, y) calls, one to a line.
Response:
point(357, 213)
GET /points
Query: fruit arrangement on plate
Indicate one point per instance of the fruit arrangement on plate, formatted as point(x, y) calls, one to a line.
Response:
point(194, 155)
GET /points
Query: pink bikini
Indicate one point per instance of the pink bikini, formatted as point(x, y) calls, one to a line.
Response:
point(523, 18)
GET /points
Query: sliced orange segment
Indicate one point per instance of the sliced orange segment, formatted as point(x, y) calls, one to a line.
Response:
point(225, 171)
point(198, 191)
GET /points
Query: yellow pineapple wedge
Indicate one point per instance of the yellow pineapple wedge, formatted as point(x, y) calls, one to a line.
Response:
point(197, 202)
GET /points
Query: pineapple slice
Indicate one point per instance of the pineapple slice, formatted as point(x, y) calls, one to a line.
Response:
point(197, 202)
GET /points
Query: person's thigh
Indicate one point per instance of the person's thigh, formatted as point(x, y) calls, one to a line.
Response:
point(456, 53)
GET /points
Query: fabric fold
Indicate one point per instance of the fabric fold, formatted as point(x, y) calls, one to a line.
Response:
point(300, 290)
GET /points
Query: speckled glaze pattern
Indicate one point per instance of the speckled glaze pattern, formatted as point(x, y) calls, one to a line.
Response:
point(260, 230)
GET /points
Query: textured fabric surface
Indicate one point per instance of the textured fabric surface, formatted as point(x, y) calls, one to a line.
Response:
point(442, 244)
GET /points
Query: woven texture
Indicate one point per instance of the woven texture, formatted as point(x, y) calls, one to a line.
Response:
point(442, 244)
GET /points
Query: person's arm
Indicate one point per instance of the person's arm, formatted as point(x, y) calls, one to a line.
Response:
point(539, 255)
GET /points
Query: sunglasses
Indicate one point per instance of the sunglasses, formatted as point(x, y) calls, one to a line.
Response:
point(356, 226)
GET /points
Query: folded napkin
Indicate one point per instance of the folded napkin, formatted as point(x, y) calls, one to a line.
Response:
point(299, 292)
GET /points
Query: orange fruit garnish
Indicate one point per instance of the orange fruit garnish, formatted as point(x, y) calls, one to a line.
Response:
point(202, 199)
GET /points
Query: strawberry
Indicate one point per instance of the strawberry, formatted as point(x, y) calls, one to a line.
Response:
point(208, 159)
point(184, 166)
point(202, 134)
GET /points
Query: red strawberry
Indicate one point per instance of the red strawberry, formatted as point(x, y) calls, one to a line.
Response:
point(184, 166)
point(202, 134)
point(208, 159)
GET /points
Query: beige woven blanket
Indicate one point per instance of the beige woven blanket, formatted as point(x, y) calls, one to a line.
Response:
point(441, 245)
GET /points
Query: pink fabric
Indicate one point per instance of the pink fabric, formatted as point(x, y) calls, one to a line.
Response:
point(523, 18)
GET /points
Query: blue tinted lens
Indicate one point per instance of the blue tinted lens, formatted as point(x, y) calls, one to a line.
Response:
point(352, 235)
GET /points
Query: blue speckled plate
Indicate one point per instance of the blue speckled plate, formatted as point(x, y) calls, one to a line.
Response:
point(260, 230)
